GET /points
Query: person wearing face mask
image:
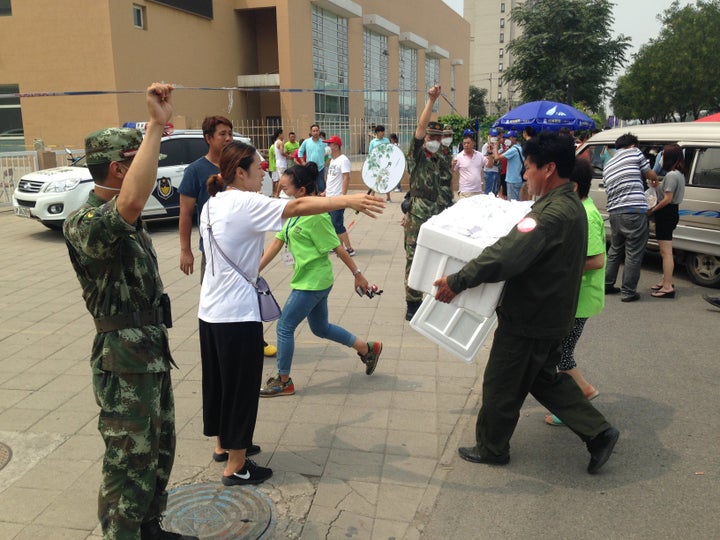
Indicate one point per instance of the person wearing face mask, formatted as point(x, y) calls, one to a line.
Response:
point(430, 167)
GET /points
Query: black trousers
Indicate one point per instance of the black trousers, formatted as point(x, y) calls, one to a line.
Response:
point(519, 366)
point(232, 362)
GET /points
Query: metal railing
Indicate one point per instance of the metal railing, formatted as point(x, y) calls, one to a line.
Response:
point(14, 165)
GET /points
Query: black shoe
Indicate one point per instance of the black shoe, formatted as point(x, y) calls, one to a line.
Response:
point(611, 289)
point(470, 453)
point(251, 473)
point(600, 448)
point(153, 531)
point(253, 450)
point(630, 298)
point(412, 307)
point(712, 300)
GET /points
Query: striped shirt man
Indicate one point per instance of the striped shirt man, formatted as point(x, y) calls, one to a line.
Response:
point(623, 177)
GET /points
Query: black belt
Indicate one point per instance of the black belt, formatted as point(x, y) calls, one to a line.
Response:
point(135, 319)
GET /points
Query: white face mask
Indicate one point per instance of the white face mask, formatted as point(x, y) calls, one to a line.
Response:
point(447, 141)
point(493, 140)
point(432, 146)
point(507, 142)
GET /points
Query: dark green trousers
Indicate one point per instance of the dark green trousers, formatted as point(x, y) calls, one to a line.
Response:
point(137, 423)
point(519, 366)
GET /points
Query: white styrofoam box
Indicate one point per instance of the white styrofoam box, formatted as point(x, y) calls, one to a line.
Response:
point(457, 235)
point(440, 253)
point(457, 330)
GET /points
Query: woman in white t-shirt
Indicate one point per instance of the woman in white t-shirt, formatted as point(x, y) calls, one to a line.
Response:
point(231, 335)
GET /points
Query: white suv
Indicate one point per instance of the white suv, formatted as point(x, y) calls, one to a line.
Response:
point(51, 195)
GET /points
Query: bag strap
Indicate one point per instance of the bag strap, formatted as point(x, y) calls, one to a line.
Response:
point(213, 243)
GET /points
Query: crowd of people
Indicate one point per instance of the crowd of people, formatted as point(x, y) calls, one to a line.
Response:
point(553, 262)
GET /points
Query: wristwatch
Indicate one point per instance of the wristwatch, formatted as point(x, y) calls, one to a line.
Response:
point(356, 272)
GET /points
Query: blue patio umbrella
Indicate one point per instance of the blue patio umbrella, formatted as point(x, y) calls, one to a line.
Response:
point(545, 116)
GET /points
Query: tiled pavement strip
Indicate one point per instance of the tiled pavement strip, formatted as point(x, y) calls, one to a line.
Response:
point(353, 456)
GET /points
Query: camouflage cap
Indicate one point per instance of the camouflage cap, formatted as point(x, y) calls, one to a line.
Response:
point(111, 144)
point(434, 128)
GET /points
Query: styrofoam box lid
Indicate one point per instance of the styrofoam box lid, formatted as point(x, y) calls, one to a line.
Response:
point(455, 245)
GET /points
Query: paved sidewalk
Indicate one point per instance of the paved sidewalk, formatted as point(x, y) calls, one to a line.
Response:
point(354, 456)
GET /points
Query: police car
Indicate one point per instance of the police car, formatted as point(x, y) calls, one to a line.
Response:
point(51, 195)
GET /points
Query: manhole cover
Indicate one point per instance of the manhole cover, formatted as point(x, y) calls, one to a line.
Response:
point(5, 455)
point(216, 512)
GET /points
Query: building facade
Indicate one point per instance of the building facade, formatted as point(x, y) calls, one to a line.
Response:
point(346, 64)
point(491, 31)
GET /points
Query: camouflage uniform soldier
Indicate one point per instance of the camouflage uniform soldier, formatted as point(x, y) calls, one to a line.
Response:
point(430, 167)
point(116, 265)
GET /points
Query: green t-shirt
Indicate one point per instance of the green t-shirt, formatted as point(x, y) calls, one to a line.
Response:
point(309, 239)
point(271, 158)
point(592, 286)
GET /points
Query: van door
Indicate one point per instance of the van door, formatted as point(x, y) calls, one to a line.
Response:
point(701, 206)
point(164, 200)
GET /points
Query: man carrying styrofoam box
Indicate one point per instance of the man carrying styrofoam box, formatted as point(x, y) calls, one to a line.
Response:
point(542, 261)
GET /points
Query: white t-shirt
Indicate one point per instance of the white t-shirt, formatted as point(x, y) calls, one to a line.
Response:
point(334, 180)
point(280, 159)
point(239, 221)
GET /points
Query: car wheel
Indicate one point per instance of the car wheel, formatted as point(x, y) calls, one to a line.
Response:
point(703, 269)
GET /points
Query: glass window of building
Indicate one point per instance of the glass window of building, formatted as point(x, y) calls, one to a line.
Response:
point(11, 124)
point(502, 22)
point(375, 48)
point(330, 68)
point(139, 17)
point(501, 52)
point(432, 75)
point(502, 37)
point(408, 93)
point(5, 8)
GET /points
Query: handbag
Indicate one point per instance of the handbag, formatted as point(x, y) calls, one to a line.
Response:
point(269, 308)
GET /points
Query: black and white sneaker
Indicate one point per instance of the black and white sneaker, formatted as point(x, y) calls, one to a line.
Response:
point(251, 473)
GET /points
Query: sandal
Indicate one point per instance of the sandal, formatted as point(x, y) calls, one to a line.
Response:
point(552, 420)
point(658, 287)
point(663, 294)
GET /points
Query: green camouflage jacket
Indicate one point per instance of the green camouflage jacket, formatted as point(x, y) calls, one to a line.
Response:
point(118, 272)
point(430, 180)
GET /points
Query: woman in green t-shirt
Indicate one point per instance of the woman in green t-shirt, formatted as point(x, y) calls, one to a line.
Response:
point(307, 241)
point(592, 287)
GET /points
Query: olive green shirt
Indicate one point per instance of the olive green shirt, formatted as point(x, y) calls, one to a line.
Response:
point(541, 260)
point(118, 273)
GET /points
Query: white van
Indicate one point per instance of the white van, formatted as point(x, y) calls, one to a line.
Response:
point(696, 241)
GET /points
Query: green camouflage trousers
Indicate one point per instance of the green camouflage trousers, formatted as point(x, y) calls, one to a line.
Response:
point(137, 423)
point(412, 228)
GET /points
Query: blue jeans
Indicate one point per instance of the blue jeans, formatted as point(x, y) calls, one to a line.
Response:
point(628, 237)
point(338, 218)
point(321, 180)
point(513, 190)
point(491, 178)
point(299, 306)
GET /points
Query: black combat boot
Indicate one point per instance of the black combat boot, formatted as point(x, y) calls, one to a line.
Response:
point(152, 530)
point(412, 307)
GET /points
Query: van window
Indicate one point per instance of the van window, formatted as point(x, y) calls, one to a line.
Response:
point(707, 168)
point(599, 155)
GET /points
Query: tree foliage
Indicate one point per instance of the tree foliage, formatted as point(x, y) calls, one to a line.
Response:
point(476, 104)
point(677, 75)
point(566, 52)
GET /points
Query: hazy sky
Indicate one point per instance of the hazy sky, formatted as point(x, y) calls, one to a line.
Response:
point(637, 19)
point(634, 18)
